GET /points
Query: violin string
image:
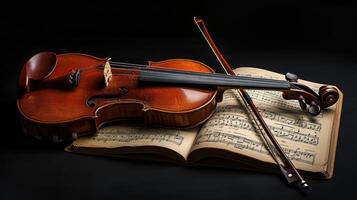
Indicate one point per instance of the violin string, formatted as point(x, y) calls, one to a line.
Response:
point(167, 77)
point(181, 72)
point(128, 64)
point(157, 68)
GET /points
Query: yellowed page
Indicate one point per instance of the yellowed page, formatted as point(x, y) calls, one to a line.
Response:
point(138, 135)
point(305, 139)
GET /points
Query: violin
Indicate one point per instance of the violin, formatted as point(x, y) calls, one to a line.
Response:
point(70, 95)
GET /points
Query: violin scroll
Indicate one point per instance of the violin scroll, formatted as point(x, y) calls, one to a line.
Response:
point(329, 95)
point(308, 99)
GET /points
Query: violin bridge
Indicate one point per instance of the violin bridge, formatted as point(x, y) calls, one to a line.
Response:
point(107, 72)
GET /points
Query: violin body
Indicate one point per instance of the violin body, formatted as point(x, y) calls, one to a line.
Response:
point(51, 109)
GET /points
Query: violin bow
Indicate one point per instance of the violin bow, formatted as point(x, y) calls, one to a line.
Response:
point(287, 168)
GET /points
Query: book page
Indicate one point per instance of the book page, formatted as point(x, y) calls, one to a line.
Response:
point(304, 138)
point(138, 135)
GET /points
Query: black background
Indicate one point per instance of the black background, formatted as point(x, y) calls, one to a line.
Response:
point(315, 40)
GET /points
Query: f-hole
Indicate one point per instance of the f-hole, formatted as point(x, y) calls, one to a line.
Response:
point(92, 101)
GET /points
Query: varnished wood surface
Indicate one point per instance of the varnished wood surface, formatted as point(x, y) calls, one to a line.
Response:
point(64, 111)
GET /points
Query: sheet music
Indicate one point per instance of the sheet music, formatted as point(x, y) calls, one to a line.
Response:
point(136, 134)
point(304, 139)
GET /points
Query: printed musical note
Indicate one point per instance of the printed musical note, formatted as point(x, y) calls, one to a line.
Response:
point(113, 135)
point(268, 114)
point(243, 143)
point(240, 122)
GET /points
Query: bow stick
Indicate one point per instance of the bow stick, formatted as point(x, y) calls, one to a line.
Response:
point(286, 166)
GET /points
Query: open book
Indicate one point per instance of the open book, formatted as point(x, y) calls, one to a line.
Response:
point(229, 138)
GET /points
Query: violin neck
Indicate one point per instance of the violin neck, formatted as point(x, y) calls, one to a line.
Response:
point(211, 80)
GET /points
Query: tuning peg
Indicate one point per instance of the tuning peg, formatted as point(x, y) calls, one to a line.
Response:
point(291, 77)
point(314, 109)
point(302, 103)
point(73, 78)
